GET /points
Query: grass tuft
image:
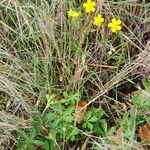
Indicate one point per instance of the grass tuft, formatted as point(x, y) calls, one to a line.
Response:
point(51, 63)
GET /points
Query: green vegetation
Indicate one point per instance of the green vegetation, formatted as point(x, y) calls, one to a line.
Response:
point(74, 75)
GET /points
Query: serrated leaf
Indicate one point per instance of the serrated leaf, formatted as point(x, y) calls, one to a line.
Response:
point(55, 123)
point(58, 108)
point(100, 114)
point(104, 125)
point(68, 111)
point(51, 116)
point(68, 119)
point(90, 126)
point(89, 114)
point(93, 119)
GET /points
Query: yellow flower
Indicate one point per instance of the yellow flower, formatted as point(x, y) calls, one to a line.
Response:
point(89, 6)
point(98, 20)
point(115, 25)
point(73, 14)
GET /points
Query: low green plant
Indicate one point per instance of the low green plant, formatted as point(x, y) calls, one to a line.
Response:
point(58, 124)
point(142, 97)
point(126, 127)
point(27, 140)
point(60, 118)
point(94, 121)
point(137, 114)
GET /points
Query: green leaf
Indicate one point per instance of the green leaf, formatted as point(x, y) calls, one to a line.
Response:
point(58, 108)
point(146, 84)
point(111, 131)
point(138, 99)
point(68, 111)
point(21, 144)
point(89, 114)
point(37, 122)
point(90, 126)
point(55, 123)
point(41, 144)
point(33, 133)
point(104, 125)
point(65, 94)
point(51, 116)
point(68, 119)
point(29, 146)
point(93, 119)
point(23, 135)
point(99, 130)
point(100, 114)
point(71, 134)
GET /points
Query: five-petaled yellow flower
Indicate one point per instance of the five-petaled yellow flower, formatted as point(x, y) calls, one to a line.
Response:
point(89, 6)
point(98, 20)
point(115, 25)
point(73, 14)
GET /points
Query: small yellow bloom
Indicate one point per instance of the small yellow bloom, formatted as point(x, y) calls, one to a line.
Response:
point(72, 13)
point(115, 25)
point(98, 20)
point(89, 6)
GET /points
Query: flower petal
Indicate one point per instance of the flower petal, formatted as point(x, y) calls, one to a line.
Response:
point(113, 30)
point(93, 4)
point(93, 9)
point(102, 19)
point(84, 4)
point(118, 22)
point(110, 25)
point(119, 28)
point(113, 20)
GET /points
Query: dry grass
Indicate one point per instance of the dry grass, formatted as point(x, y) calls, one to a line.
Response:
point(41, 52)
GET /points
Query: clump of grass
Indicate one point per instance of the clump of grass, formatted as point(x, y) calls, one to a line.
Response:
point(42, 51)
